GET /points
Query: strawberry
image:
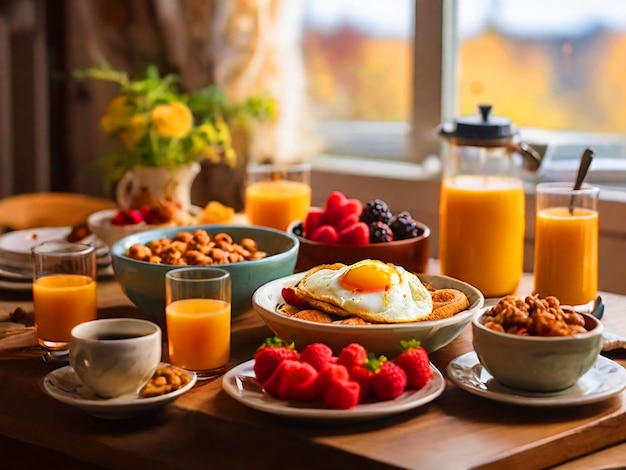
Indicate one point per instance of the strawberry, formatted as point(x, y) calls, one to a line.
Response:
point(342, 395)
point(338, 207)
point(325, 234)
point(274, 382)
point(318, 355)
point(313, 220)
point(270, 355)
point(297, 381)
point(355, 234)
point(362, 375)
point(327, 375)
point(346, 222)
point(415, 363)
point(292, 298)
point(352, 355)
point(389, 381)
point(130, 217)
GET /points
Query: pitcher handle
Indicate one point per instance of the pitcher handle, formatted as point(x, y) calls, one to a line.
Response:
point(532, 159)
point(125, 190)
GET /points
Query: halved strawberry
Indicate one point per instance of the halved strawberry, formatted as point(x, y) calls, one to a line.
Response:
point(355, 234)
point(325, 234)
point(346, 222)
point(292, 298)
point(313, 220)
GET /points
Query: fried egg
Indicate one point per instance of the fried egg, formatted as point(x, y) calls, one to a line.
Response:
point(370, 289)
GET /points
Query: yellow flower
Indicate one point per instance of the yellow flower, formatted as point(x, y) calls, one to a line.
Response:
point(117, 114)
point(133, 132)
point(171, 120)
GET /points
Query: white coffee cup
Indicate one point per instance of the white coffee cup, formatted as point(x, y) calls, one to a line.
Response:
point(115, 356)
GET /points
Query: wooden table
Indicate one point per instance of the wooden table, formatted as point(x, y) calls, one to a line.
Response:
point(206, 428)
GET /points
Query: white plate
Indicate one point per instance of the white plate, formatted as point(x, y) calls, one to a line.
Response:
point(15, 247)
point(240, 383)
point(63, 385)
point(605, 379)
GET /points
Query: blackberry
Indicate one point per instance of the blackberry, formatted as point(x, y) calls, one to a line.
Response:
point(380, 233)
point(404, 226)
point(298, 229)
point(376, 211)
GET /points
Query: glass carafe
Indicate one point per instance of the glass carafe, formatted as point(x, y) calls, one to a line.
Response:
point(482, 207)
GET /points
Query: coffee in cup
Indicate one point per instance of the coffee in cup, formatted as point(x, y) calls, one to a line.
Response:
point(116, 356)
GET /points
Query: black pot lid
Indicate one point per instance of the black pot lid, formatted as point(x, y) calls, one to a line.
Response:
point(483, 126)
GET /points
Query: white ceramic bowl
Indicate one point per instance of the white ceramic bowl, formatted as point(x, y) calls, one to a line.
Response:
point(100, 224)
point(380, 339)
point(537, 363)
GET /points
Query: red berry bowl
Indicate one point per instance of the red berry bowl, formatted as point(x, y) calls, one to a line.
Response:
point(411, 253)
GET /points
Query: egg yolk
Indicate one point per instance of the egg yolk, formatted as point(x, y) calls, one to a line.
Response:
point(368, 277)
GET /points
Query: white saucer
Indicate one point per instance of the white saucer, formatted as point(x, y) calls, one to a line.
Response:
point(24, 285)
point(605, 379)
point(63, 385)
point(240, 383)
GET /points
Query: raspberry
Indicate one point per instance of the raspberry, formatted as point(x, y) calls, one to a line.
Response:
point(380, 233)
point(376, 211)
point(318, 355)
point(352, 355)
point(404, 226)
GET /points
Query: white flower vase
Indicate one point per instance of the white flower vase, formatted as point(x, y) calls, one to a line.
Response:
point(159, 183)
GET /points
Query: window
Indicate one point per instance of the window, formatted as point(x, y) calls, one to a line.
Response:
point(556, 68)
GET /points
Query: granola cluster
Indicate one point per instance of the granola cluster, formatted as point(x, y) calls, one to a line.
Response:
point(534, 316)
point(197, 249)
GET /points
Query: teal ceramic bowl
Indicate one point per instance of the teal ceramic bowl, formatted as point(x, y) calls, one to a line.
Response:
point(144, 282)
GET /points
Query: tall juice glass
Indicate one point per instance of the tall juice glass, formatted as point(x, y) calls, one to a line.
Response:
point(482, 231)
point(277, 194)
point(566, 243)
point(64, 290)
point(197, 316)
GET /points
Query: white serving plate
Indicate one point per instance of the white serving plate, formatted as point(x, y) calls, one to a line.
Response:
point(240, 383)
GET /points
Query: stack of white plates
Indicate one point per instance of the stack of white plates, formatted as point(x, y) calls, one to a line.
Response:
point(16, 269)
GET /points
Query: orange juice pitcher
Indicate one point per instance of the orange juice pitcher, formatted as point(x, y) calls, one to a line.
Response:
point(482, 206)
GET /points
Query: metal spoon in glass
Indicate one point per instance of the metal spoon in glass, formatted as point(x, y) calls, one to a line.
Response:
point(585, 162)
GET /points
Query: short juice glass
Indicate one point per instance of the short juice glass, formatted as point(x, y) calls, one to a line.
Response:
point(566, 242)
point(64, 290)
point(277, 194)
point(197, 317)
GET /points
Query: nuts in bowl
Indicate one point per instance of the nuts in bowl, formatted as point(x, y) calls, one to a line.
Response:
point(535, 344)
point(143, 279)
point(338, 325)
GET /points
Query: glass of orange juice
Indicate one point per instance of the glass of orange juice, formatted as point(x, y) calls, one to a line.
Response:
point(277, 194)
point(566, 242)
point(197, 318)
point(64, 290)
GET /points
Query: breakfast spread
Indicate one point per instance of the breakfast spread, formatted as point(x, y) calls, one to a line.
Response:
point(199, 248)
point(366, 292)
point(347, 221)
point(341, 381)
point(534, 316)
